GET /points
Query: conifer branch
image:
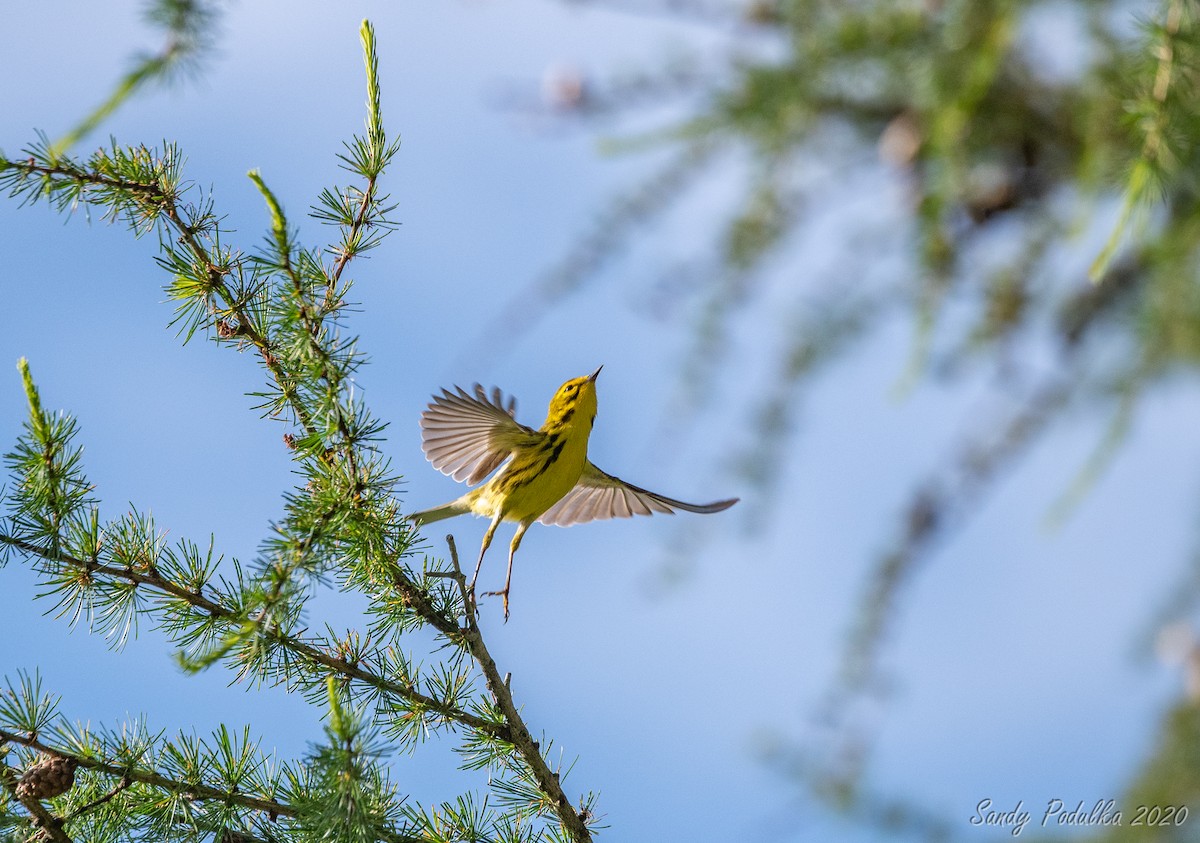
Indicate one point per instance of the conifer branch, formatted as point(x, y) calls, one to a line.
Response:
point(149, 201)
point(283, 301)
point(244, 326)
point(353, 235)
point(311, 319)
point(1154, 123)
point(368, 158)
point(150, 576)
point(127, 775)
point(194, 790)
point(548, 781)
point(64, 170)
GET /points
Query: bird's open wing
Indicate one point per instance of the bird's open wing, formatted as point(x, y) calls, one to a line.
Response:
point(468, 436)
point(598, 495)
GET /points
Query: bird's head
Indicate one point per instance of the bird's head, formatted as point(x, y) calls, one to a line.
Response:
point(574, 403)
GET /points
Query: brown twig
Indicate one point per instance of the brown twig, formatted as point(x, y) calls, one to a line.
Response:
point(368, 197)
point(123, 784)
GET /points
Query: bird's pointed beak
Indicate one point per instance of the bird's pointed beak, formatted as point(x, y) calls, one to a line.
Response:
point(592, 377)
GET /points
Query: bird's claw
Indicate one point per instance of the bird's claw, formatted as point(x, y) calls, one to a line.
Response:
point(503, 594)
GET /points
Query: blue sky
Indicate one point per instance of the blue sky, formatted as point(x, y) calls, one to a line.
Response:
point(1013, 655)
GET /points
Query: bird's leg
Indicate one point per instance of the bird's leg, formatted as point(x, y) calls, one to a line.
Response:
point(487, 540)
point(512, 551)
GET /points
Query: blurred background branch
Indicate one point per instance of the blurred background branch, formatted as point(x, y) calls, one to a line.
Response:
point(1017, 129)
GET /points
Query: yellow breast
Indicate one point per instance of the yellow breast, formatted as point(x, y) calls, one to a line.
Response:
point(535, 479)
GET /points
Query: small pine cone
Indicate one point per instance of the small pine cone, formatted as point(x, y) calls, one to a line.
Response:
point(48, 778)
point(290, 441)
point(226, 329)
point(231, 836)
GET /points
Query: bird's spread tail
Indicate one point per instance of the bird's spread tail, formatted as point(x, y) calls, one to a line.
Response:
point(446, 510)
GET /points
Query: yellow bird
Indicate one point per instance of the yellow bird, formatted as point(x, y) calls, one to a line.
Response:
point(547, 476)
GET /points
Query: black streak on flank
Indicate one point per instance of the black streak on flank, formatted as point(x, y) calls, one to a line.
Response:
point(537, 469)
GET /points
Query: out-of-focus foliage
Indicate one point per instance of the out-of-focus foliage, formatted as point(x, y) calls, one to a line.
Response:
point(1159, 804)
point(1049, 246)
point(189, 27)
